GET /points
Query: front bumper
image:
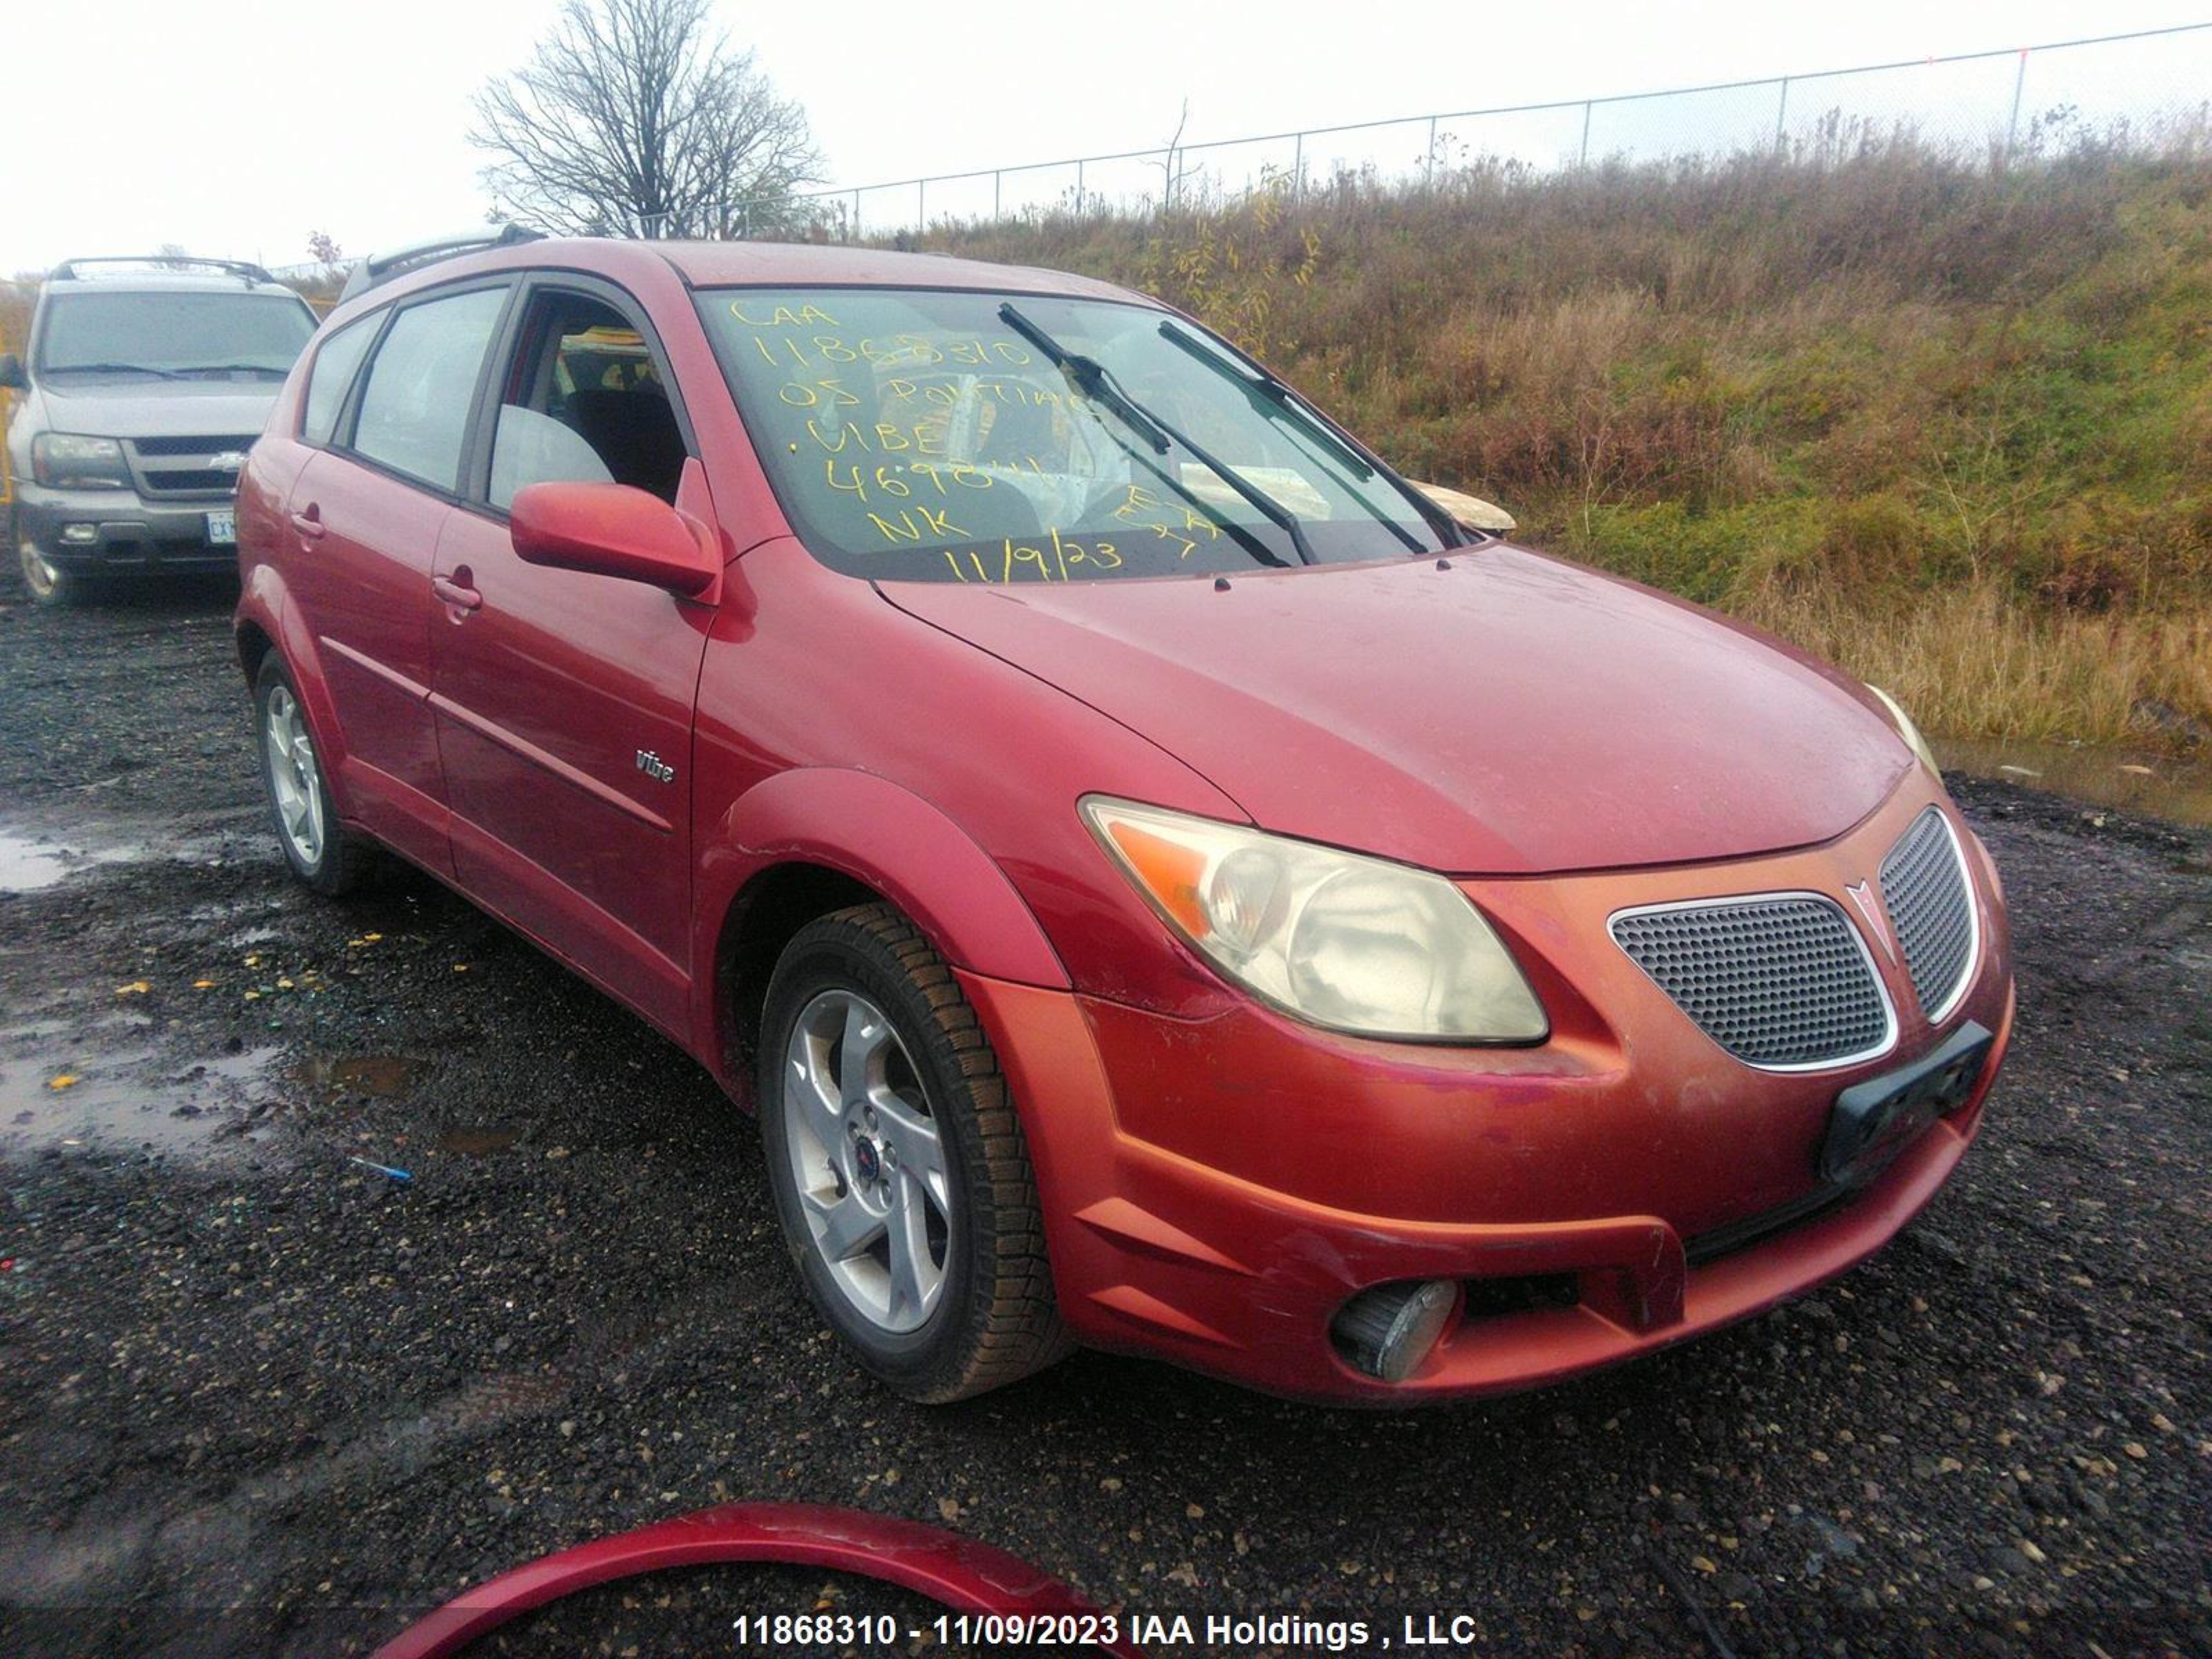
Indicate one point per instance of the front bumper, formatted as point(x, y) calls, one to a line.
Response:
point(128, 531)
point(1215, 1191)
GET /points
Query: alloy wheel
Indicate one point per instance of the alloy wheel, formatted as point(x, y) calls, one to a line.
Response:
point(295, 782)
point(867, 1161)
point(39, 573)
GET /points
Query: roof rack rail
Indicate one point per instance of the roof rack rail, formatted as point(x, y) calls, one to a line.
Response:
point(244, 270)
point(380, 268)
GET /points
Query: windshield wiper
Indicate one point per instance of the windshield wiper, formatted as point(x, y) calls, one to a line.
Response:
point(112, 369)
point(1091, 378)
point(1277, 391)
point(1279, 394)
point(1096, 381)
point(228, 369)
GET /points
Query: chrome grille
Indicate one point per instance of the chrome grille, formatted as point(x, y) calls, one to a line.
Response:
point(178, 465)
point(188, 481)
point(1924, 883)
point(1780, 981)
point(177, 446)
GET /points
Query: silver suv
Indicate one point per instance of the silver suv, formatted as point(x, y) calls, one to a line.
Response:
point(143, 384)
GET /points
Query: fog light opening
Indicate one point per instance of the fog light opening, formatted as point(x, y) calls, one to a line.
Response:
point(1386, 1331)
point(80, 535)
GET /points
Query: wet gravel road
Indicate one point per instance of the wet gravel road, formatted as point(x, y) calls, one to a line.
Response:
point(256, 1398)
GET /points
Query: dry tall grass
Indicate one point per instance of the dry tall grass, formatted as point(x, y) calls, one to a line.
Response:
point(1950, 424)
point(1974, 661)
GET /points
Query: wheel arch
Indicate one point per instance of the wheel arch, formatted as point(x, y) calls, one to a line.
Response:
point(759, 923)
point(805, 843)
point(267, 621)
point(255, 646)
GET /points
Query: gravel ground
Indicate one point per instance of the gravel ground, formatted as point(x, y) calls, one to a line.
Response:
point(256, 1398)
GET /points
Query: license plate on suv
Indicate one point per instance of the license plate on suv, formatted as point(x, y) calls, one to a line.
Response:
point(222, 528)
point(1874, 1121)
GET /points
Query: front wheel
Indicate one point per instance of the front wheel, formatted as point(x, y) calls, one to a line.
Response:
point(901, 1176)
point(316, 845)
point(46, 582)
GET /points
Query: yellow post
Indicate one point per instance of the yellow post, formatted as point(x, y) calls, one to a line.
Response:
point(7, 412)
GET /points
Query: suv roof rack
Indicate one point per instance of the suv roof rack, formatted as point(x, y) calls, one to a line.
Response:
point(71, 271)
point(380, 268)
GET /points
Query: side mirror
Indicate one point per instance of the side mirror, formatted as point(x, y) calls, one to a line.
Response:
point(12, 377)
point(612, 530)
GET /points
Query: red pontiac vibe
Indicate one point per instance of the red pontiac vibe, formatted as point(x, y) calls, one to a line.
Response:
point(1161, 882)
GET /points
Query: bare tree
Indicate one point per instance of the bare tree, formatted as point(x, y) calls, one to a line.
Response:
point(1174, 173)
point(636, 118)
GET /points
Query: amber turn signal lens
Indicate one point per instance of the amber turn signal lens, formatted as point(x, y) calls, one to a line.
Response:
point(1170, 871)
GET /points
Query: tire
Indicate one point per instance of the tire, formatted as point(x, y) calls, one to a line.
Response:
point(926, 1147)
point(323, 854)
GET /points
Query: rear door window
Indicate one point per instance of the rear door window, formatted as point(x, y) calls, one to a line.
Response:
point(422, 383)
point(331, 376)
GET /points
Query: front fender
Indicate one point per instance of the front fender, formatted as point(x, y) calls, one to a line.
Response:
point(890, 840)
point(893, 841)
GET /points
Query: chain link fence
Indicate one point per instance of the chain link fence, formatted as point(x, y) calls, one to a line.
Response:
point(2138, 89)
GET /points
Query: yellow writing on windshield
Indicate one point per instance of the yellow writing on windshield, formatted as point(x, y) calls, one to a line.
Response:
point(903, 350)
point(885, 435)
point(921, 442)
point(1023, 561)
point(915, 522)
point(783, 317)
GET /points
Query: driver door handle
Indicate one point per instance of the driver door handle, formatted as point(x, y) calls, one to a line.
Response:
point(455, 595)
point(309, 524)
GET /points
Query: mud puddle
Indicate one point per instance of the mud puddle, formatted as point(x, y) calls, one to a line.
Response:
point(64, 1083)
point(2159, 785)
point(102, 1091)
point(378, 1077)
point(33, 860)
point(30, 863)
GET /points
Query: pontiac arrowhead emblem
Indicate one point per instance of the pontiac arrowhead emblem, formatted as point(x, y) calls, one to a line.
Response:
point(1861, 894)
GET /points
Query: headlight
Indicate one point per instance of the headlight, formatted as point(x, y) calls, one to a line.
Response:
point(62, 460)
point(1907, 730)
point(1350, 943)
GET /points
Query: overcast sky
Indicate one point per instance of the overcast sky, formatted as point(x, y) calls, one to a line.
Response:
point(238, 129)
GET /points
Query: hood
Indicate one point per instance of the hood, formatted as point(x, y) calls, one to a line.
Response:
point(158, 408)
point(1511, 714)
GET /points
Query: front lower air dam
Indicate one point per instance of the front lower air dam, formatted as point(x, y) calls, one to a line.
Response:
point(1388, 1331)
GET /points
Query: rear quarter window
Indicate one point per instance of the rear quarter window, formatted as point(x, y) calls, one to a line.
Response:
point(331, 376)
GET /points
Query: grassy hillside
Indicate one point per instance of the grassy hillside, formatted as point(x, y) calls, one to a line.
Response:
point(1952, 428)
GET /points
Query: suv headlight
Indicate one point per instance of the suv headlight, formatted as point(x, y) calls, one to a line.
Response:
point(1907, 730)
point(62, 460)
point(1352, 943)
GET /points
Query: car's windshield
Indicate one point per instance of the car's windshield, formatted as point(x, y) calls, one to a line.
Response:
point(923, 435)
point(169, 334)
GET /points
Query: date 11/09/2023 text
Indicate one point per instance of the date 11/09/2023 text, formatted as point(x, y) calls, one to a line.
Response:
point(1151, 1631)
